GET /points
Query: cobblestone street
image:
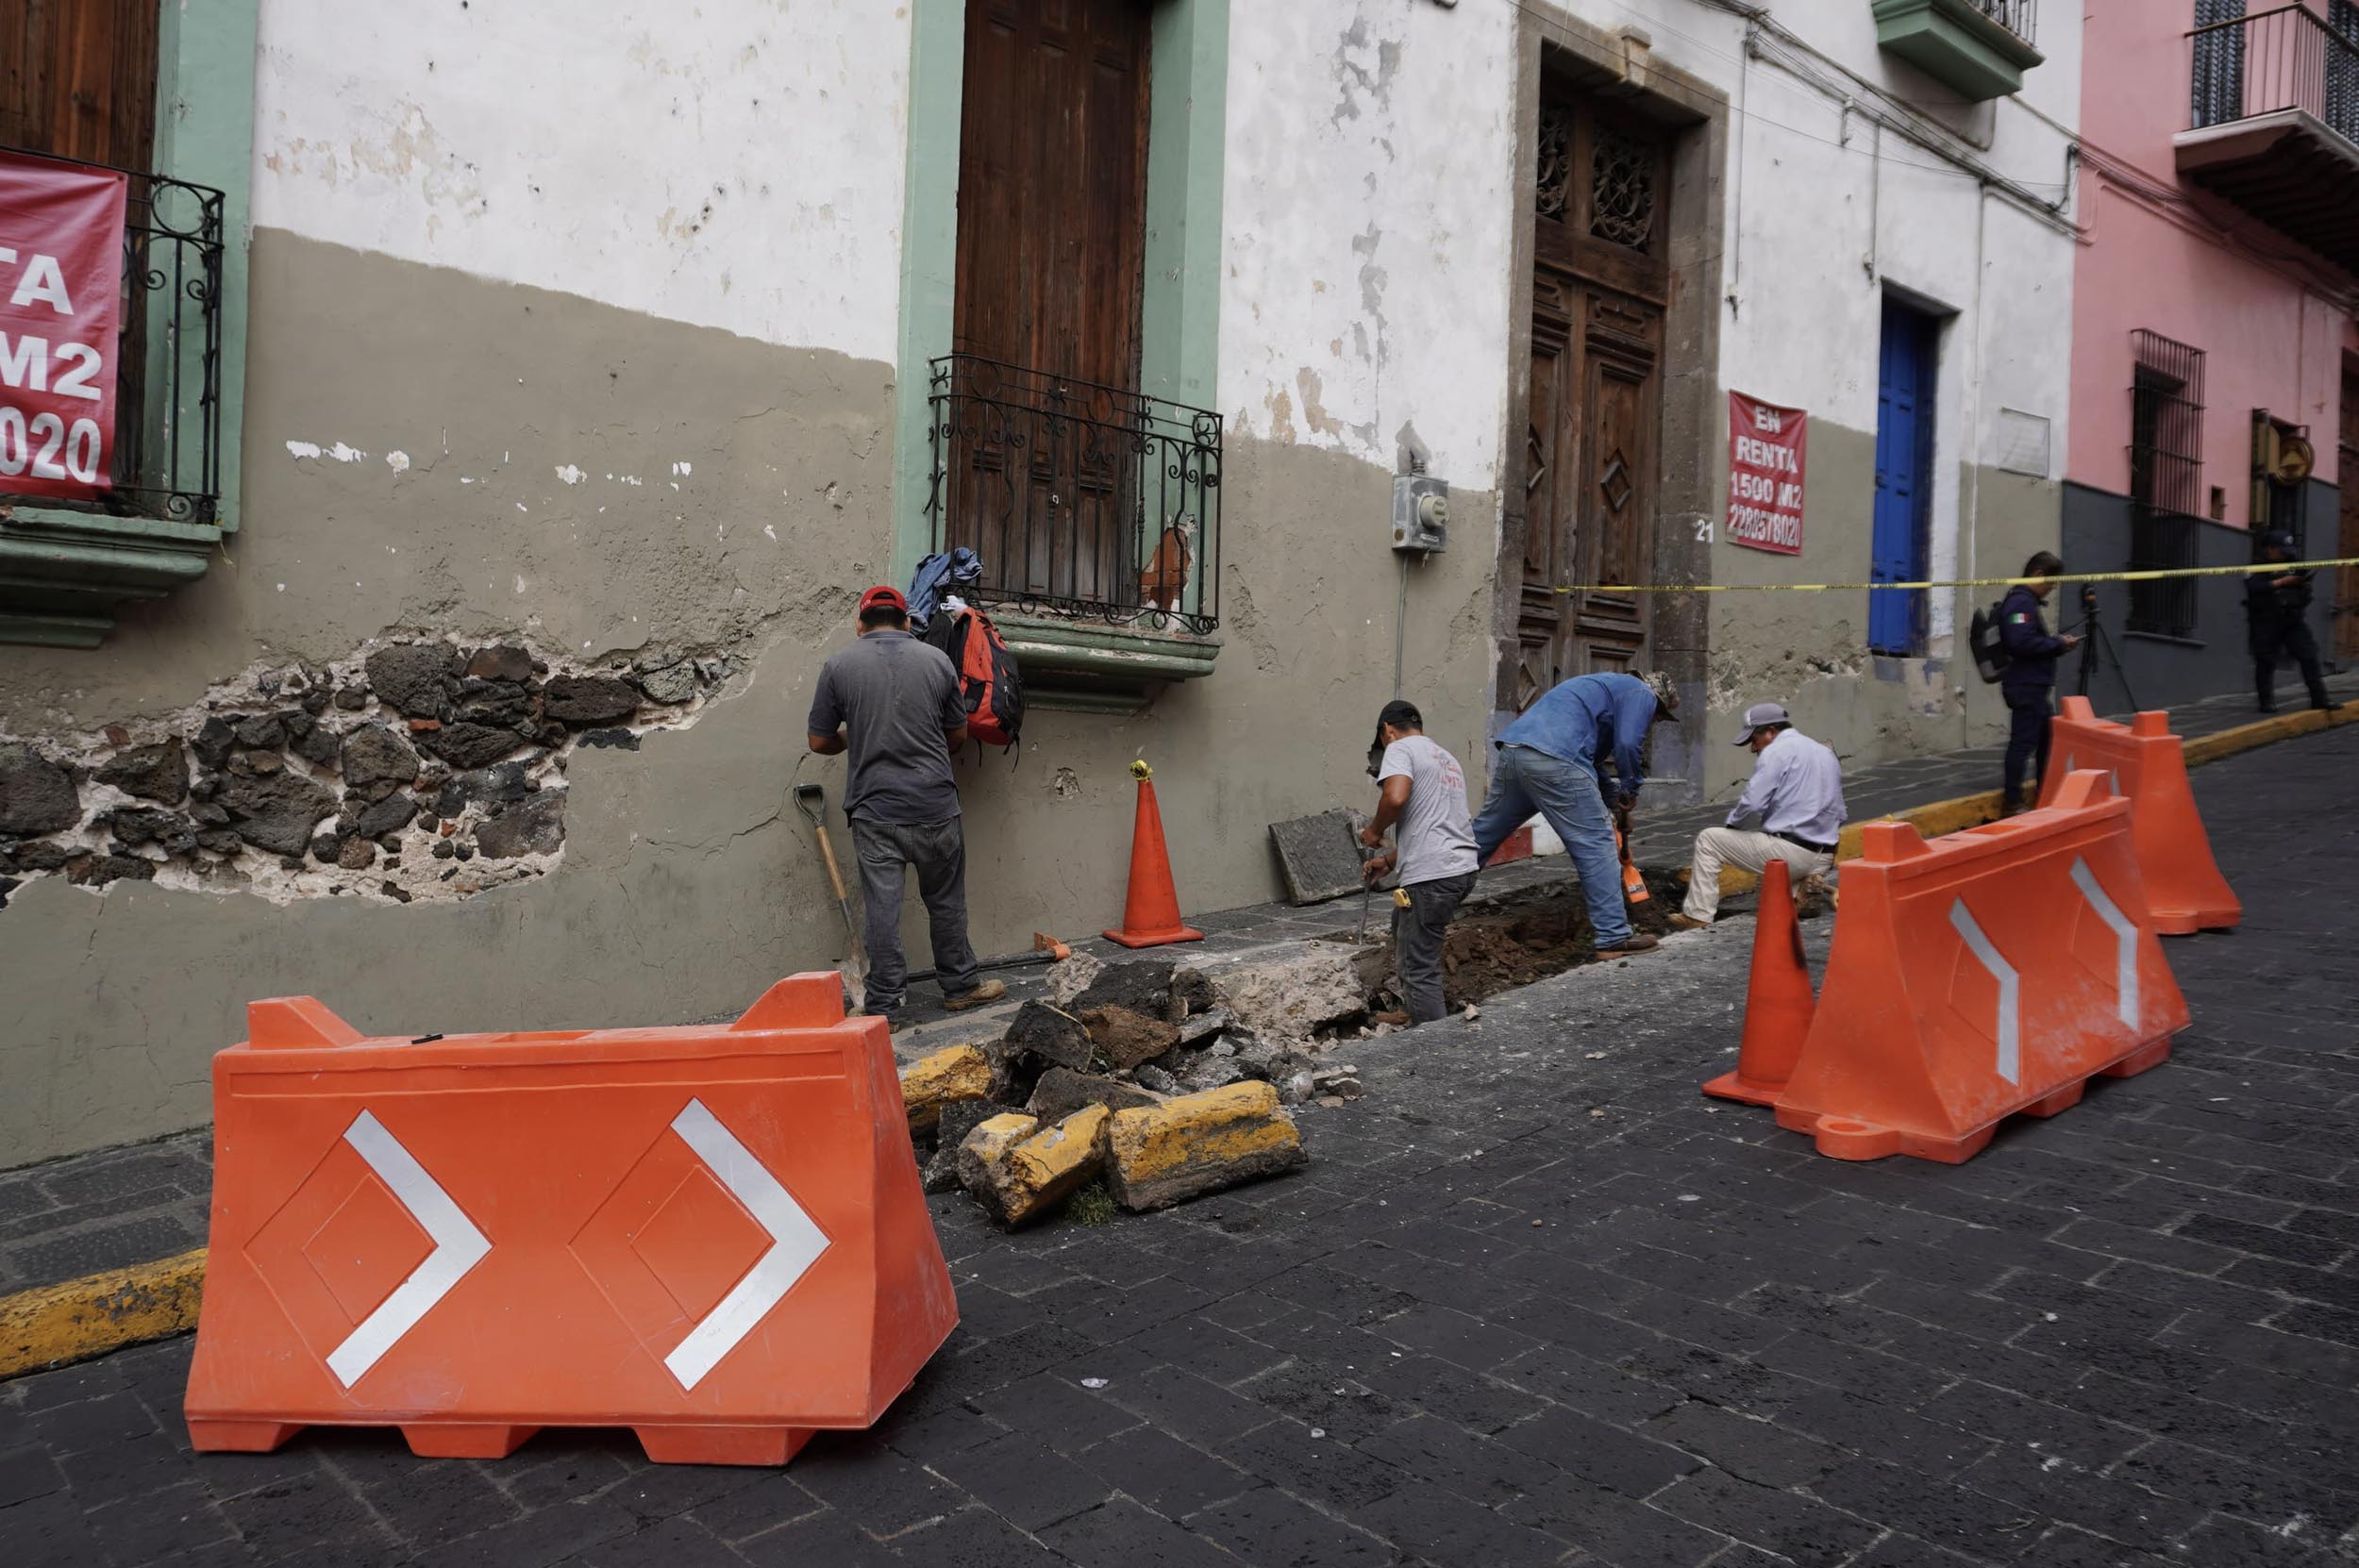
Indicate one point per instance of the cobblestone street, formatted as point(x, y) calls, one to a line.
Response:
point(1534, 1301)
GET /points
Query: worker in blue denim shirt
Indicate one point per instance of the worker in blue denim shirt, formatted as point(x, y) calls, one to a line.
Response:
point(1549, 761)
point(2028, 684)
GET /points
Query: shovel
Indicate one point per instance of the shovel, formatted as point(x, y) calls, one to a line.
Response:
point(811, 801)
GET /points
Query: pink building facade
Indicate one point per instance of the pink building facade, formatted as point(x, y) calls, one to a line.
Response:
point(2215, 325)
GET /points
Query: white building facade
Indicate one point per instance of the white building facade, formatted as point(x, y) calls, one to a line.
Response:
point(628, 350)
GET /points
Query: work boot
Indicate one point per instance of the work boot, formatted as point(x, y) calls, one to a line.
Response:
point(989, 991)
point(1682, 922)
point(1637, 941)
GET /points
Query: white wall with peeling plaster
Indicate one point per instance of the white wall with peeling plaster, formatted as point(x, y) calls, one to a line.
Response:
point(735, 164)
point(1368, 207)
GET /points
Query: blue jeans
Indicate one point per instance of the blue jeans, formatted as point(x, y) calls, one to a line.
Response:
point(1566, 797)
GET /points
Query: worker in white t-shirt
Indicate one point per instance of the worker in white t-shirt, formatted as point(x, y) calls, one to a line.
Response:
point(1423, 790)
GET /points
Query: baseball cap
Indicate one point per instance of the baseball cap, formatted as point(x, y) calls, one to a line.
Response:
point(1762, 713)
point(883, 595)
point(1666, 697)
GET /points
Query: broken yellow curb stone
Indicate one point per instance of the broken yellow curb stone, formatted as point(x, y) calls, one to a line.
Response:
point(960, 1073)
point(1019, 1169)
point(1197, 1144)
point(81, 1318)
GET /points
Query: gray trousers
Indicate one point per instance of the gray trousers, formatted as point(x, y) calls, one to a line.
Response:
point(1417, 932)
point(938, 851)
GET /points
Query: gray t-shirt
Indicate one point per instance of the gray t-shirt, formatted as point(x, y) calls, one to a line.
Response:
point(1435, 832)
point(896, 698)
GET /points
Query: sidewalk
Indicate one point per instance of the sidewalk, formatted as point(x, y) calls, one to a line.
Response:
point(1534, 1301)
point(122, 1207)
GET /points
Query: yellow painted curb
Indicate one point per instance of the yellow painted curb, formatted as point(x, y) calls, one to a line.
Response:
point(1949, 816)
point(86, 1317)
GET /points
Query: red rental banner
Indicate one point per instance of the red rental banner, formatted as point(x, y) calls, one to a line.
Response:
point(1765, 449)
point(61, 290)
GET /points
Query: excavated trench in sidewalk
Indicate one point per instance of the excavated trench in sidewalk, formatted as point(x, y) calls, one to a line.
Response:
point(1525, 937)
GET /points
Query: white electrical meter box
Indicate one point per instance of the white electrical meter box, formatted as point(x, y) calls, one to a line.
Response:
point(1420, 514)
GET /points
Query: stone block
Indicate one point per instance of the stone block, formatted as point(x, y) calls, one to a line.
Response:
point(1319, 857)
point(1125, 1037)
point(1143, 987)
point(1022, 1177)
point(1070, 978)
point(159, 772)
point(412, 676)
point(1061, 1091)
point(960, 1073)
point(590, 699)
point(533, 826)
point(1290, 990)
point(958, 1119)
point(35, 794)
point(277, 812)
point(1050, 1033)
point(1183, 1148)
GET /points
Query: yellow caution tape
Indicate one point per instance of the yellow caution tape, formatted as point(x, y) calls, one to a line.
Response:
point(2156, 574)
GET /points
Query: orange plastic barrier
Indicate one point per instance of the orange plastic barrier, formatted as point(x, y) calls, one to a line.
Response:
point(1150, 911)
point(1987, 973)
point(2184, 891)
point(713, 1236)
point(1778, 1004)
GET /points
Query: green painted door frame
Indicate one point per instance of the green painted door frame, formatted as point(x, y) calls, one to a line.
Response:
point(1180, 313)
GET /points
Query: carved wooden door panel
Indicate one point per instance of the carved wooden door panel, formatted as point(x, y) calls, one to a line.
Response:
point(1550, 501)
point(1590, 469)
point(1621, 404)
point(1052, 204)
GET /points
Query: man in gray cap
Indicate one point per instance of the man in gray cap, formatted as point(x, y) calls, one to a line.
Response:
point(1796, 791)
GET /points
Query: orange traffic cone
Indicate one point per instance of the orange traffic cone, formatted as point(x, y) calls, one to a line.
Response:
point(1150, 915)
point(1777, 1003)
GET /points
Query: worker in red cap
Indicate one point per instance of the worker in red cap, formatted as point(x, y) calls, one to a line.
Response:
point(892, 704)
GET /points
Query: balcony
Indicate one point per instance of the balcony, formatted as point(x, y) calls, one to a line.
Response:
point(65, 565)
point(1979, 47)
point(2273, 125)
point(1097, 512)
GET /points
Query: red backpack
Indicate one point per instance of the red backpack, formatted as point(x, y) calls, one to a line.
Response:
point(989, 681)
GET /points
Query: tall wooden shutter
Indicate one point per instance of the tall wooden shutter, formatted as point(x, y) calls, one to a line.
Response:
point(77, 80)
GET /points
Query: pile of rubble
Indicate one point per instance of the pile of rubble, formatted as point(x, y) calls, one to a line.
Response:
point(1164, 1082)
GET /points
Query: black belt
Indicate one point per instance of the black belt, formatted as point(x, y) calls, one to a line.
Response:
point(1797, 840)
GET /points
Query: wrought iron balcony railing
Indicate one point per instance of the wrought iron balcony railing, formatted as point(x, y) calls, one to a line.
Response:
point(1084, 501)
point(167, 449)
point(2287, 59)
point(2019, 17)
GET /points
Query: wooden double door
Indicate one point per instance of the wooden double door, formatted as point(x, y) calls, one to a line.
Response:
point(1052, 213)
point(1591, 463)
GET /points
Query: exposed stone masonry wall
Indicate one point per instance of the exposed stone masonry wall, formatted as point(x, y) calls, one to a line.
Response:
point(410, 771)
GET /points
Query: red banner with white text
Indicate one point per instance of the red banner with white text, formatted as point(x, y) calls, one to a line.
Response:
point(1766, 451)
point(60, 293)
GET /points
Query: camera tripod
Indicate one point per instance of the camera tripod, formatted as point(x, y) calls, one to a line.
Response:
point(2097, 645)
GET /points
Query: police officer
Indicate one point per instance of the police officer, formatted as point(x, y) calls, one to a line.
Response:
point(2029, 685)
point(2277, 606)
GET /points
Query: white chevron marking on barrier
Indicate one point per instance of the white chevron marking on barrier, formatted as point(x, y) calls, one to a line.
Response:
point(2010, 1030)
point(795, 1244)
point(2125, 941)
point(457, 1247)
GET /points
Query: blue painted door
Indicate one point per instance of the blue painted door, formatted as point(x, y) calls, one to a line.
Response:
point(1904, 423)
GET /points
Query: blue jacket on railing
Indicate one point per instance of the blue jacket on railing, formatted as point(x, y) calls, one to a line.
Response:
point(956, 572)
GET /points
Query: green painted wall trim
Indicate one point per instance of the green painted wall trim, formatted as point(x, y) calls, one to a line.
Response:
point(930, 253)
point(204, 132)
point(1180, 324)
point(1186, 146)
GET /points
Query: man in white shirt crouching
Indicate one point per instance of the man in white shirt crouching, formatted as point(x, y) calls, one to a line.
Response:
point(1796, 791)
